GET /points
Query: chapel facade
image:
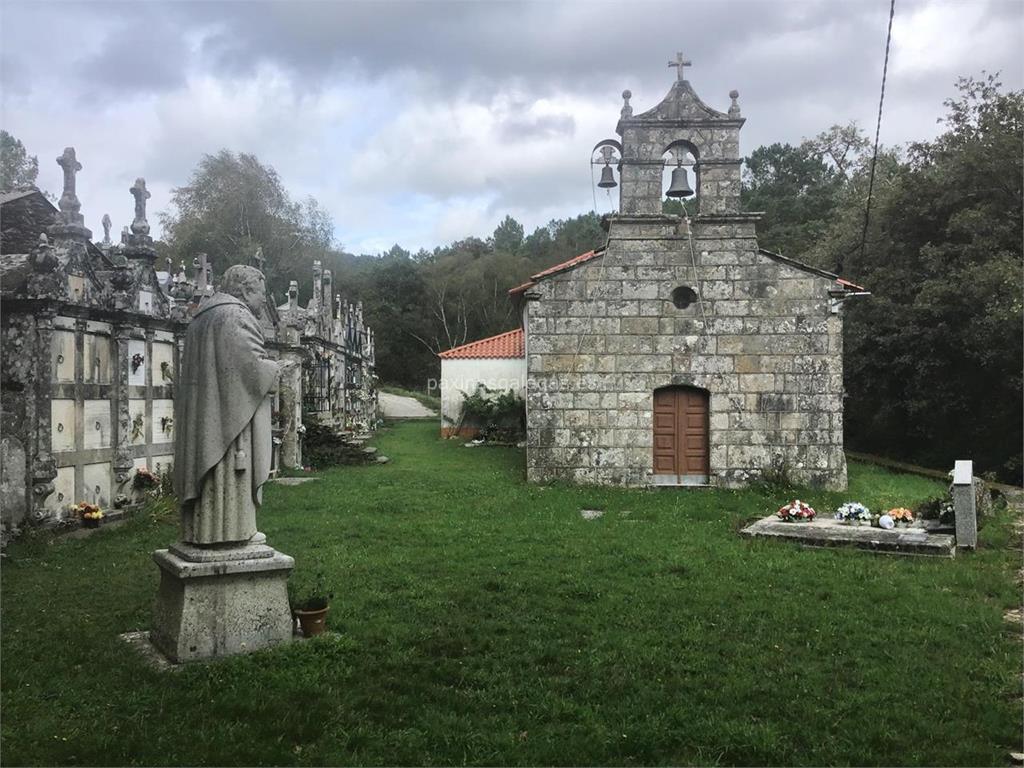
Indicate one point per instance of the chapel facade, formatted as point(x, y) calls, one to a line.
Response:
point(681, 353)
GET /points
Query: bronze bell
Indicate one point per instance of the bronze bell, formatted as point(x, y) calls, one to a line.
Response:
point(607, 178)
point(680, 186)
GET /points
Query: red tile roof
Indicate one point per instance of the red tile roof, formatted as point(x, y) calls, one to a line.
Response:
point(575, 261)
point(508, 344)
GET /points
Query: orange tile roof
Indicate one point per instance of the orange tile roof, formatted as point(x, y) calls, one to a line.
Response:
point(573, 262)
point(508, 344)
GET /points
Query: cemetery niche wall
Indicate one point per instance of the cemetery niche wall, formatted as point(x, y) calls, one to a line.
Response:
point(90, 338)
point(682, 353)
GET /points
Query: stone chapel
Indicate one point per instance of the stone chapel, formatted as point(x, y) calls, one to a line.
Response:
point(681, 353)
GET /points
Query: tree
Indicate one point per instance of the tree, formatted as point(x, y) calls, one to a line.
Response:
point(508, 237)
point(934, 358)
point(18, 169)
point(233, 205)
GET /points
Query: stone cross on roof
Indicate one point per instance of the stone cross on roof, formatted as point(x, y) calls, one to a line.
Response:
point(680, 62)
point(69, 203)
point(140, 226)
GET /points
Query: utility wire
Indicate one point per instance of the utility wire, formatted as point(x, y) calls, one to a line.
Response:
point(874, 155)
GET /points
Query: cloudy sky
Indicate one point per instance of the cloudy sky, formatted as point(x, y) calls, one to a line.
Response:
point(424, 122)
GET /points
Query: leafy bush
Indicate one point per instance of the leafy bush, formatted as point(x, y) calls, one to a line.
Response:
point(500, 416)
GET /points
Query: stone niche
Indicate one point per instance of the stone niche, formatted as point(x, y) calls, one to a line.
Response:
point(96, 482)
point(63, 492)
point(96, 420)
point(62, 425)
point(63, 355)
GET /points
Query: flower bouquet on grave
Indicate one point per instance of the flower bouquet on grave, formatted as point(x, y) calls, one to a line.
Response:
point(796, 512)
point(90, 514)
point(145, 480)
point(901, 516)
point(853, 513)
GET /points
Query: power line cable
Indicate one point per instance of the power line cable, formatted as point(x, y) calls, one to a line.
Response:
point(878, 131)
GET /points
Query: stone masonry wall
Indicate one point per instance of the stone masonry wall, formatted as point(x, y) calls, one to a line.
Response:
point(603, 336)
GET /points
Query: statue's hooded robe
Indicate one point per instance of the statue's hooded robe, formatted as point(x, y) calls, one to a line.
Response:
point(222, 450)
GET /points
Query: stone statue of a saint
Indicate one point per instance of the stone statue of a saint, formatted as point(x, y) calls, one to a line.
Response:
point(222, 449)
point(223, 589)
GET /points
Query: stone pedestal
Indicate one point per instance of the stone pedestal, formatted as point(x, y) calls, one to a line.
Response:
point(218, 601)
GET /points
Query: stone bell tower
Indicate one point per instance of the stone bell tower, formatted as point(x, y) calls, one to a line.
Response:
point(680, 123)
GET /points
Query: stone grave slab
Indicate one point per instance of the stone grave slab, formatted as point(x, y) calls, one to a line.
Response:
point(916, 540)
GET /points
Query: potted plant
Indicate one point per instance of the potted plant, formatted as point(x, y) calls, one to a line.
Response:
point(310, 603)
point(796, 512)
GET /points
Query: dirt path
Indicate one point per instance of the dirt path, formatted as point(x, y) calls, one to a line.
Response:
point(399, 407)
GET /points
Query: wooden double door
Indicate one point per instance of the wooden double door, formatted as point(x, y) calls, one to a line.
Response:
point(681, 436)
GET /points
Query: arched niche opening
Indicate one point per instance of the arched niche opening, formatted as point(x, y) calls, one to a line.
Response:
point(681, 173)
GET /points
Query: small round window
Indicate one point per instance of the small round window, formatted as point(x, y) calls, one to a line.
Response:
point(684, 296)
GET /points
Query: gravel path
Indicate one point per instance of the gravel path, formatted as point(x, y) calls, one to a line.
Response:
point(399, 407)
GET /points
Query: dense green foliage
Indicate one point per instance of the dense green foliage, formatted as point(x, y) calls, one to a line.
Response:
point(478, 620)
point(424, 303)
point(18, 169)
point(499, 416)
point(934, 358)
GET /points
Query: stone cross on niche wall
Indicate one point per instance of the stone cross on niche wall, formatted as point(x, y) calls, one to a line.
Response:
point(680, 62)
point(69, 202)
point(140, 226)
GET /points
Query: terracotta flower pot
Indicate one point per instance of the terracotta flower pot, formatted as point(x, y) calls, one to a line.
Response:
point(313, 622)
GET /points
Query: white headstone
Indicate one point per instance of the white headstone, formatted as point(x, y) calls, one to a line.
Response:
point(964, 504)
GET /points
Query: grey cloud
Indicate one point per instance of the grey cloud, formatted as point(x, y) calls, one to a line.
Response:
point(547, 126)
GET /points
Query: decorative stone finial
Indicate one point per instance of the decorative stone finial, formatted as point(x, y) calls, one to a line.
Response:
point(140, 226)
point(627, 111)
point(43, 259)
point(106, 228)
point(680, 62)
point(70, 205)
point(734, 108)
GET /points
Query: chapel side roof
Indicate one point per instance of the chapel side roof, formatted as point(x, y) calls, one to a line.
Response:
point(575, 261)
point(510, 344)
point(808, 268)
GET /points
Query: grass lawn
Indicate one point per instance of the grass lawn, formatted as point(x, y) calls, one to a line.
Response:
point(480, 620)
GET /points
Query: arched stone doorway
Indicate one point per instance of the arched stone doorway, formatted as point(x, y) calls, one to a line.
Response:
point(681, 444)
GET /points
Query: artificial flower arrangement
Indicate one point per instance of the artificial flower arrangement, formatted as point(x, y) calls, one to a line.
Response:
point(144, 479)
point(796, 511)
point(137, 360)
point(901, 515)
point(91, 514)
point(853, 512)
